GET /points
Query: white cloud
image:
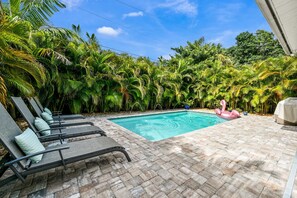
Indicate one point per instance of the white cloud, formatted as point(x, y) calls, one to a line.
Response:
point(133, 14)
point(225, 38)
point(70, 4)
point(181, 6)
point(109, 31)
point(226, 12)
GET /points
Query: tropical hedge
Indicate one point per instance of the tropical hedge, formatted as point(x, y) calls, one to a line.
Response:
point(75, 75)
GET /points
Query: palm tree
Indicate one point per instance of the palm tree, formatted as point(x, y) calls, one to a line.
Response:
point(19, 69)
point(36, 12)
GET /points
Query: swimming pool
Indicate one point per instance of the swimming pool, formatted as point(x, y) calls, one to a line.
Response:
point(162, 126)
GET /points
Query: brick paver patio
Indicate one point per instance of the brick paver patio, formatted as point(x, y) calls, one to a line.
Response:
point(247, 157)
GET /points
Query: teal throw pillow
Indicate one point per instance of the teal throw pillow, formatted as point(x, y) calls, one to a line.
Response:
point(29, 144)
point(48, 111)
point(41, 125)
point(47, 117)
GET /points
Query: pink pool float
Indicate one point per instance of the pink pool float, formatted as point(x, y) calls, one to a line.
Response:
point(226, 114)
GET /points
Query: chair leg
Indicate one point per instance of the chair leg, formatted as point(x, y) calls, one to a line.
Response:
point(7, 180)
point(126, 154)
point(103, 134)
point(17, 173)
point(62, 158)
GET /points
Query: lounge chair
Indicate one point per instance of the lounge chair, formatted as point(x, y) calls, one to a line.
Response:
point(56, 156)
point(39, 112)
point(24, 110)
point(67, 132)
point(37, 106)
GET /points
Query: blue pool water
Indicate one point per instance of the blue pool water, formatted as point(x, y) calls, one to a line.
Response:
point(162, 126)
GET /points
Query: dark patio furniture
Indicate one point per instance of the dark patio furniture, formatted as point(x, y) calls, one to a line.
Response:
point(55, 156)
point(24, 110)
point(66, 132)
point(38, 108)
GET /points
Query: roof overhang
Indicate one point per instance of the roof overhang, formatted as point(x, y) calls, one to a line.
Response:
point(282, 18)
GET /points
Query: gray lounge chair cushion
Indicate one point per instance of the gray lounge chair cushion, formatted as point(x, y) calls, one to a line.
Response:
point(47, 117)
point(41, 125)
point(29, 144)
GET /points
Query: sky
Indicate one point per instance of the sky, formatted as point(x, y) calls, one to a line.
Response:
point(152, 27)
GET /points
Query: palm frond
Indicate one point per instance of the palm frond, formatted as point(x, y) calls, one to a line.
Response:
point(39, 11)
point(3, 91)
point(18, 82)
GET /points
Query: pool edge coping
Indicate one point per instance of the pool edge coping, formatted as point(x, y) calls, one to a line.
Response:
point(156, 113)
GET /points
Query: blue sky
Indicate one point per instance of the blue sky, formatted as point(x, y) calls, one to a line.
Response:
point(151, 27)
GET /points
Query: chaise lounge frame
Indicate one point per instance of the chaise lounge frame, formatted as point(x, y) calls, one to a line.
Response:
point(22, 107)
point(66, 132)
point(56, 156)
point(38, 108)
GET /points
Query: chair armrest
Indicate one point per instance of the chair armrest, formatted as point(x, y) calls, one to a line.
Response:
point(57, 122)
point(60, 130)
point(55, 135)
point(59, 118)
point(47, 150)
point(57, 128)
point(55, 113)
point(42, 131)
